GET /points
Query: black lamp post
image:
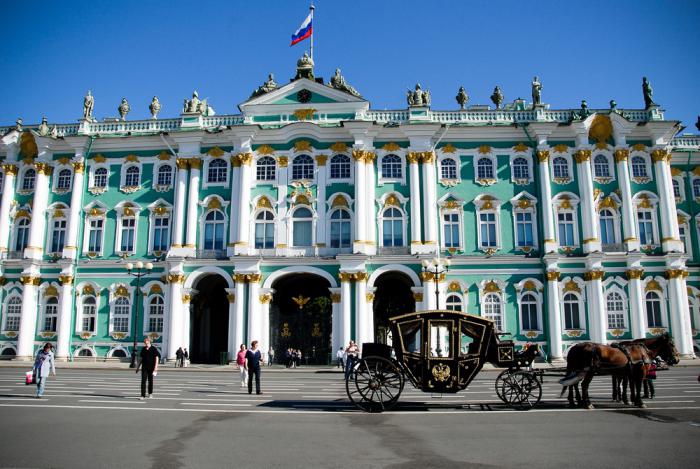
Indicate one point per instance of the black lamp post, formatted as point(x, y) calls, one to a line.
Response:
point(436, 267)
point(138, 273)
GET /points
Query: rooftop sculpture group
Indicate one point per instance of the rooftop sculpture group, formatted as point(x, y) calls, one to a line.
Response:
point(338, 82)
point(418, 97)
point(197, 106)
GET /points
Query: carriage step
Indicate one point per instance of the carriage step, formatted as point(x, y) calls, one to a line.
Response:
point(435, 396)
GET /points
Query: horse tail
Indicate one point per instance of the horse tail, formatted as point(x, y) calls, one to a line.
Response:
point(579, 360)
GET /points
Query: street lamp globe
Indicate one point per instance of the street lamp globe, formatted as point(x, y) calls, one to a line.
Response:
point(129, 266)
point(149, 266)
point(425, 263)
point(139, 265)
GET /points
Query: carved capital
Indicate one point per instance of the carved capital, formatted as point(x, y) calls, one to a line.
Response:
point(621, 155)
point(79, 167)
point(593, 275)
point(195, 163)
point(676, 273)
point(344, 276)
point(65, 279)
point(635, 274)
point(253, 278)
point(265, 298)
point(321, 160)
point(369, 297)
point(43, 168)
point(335, 297)
point(182, 163)
point(30, 280)
point(186, 298)
point(176, 278)
point(413, 157)
point(239, 278)
point(660, 155)
point(427, 276)
point(10, 169)
point(360, 276)
point(542, 155)
point(245, 158)
point(582, 156)
point(282, 161)
point(427, 157)
point(553, 275)
point(417, 296)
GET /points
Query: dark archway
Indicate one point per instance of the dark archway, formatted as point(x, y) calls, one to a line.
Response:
point(209, 320)
point(392, 296)
point(301, 318)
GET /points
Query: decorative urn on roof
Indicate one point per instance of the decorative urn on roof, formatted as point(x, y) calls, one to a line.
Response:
point(305, 67)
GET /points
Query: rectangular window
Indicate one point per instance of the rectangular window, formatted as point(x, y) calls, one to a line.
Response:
point(264, 235)
point(302, 233)
point(58, 236)
point(88, 318)
point(95, 235)
point(682, 234)
point(128, 227)
point(161, 234)
point(524, 229)
point(646, 228)
point(451, 230)
point(488, 230)
point(566, 229)
point(50, 317)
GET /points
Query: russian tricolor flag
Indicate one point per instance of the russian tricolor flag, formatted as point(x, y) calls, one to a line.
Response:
point(304, 31)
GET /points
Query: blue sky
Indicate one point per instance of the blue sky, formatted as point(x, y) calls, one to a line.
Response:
point(52, 52)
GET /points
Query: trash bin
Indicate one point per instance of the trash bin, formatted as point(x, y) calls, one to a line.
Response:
point(223, 358)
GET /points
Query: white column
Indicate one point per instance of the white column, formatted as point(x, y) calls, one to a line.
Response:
point(321, 201)
point(8, 196)
point(589, 217)
point(369, 323)
point(629, 224)
point(371, 221)
point(679, 312)
point(70, 250)
point(597, 317)
point(176, 311)
point(336, 322)
point(232, 346)
point(414, 182)
point(670, 239)
point(179, 209)
point(554, 315)
point(235, 208)
point(65, 315)
point(361, 307)
point(192, 199)
point(254, 320)
point(429, 300)
point(37, 229)
point(637, 310)
point(27, 322)
point(265, 299)
point(345, 332)
point(550, 243)
point(186, 298)
point(360, 202)
point(237, 332)
point(280, 221)
point(242, 244)
point(429, 202)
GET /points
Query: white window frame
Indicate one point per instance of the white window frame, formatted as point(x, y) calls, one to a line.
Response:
point(458, 178)
point(80, 313)
point(45, 314)
point(121, 208)
point(692, 186)
point(52, 229)
point(56, 177)
point(402, 164)
point(487, 204)
point(637, 200)
point(148, 315)
point(125, 168)
point(681, 188)
point(202, 229)
point(92, 188)
point(530, 168)
point(460, 222)
point(156, 172)
point(15, 232)
point(275, 170)
point(581, 312)
point(609, 162)
point(501, 312)
point(330, 222)
point(647, 165)
point(22, 175)
point(352, 169)
point(205, 172)
point(86, 232)
point(154, 208)
point(532, 210)
point(460, 301)
point(616, 225)
point(404, 228)
point(290, 227)
point(624, 312)
point(6, 314)
point(494, 169)
point(112, 307)
point(265, 222)
point(558, 201)
point(662, 301)
point(290, 169)
point(684, 223)
point(569, 165)
point(538, 308)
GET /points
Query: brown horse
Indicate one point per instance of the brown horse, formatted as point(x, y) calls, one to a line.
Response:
point(587, 359)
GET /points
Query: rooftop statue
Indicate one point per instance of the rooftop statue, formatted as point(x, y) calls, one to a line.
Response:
point(338, 82)
point(18, 124)
point(462, 98)
point(648, 93)
point(195, 105)
point(269, 85)
point(697, 124)
point(44, 127)
point(497, 97)
point(305, 67)
point(536, 92)
point(154, 107)
point(613, 105)
point(124, 109)
point(419, 97)
point(54, 132)
point(88, 105)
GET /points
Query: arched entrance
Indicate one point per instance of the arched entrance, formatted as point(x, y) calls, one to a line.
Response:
point(392, 296)
point(301, 317)
point(209, 320)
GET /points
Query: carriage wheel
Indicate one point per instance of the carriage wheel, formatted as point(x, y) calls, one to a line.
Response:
point(521, 389)
point(375, 384)
point(500, 380)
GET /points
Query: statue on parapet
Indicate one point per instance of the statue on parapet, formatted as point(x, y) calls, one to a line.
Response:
point(536, 92)
point(197, 106)
point(462, 98)
point(338, 82)
point(497, 97)
point(88, 106)
point(44, 127)
point(418, 97)
point(648, 93)
point(154, 107)
point(124, 109)
point(269, 85)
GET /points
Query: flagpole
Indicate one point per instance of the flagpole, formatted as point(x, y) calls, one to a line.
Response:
point(312, 8)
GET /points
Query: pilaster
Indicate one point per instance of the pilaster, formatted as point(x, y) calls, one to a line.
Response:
point(634, 276)
point(179, 209)
point(629, 223)
point(37, 229)
point(416, 235)
point(176, 313)
point(242, 244)
point(670, 238)
point(191, 229)
point(589, 217)
point(345, 332)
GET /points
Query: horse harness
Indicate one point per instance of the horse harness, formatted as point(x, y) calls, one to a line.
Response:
point(625, 348)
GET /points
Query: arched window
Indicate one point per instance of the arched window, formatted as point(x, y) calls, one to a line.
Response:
point(607, 227)
point(453, 303)
point(302, 225)
point(676, 188)
point(165, 175)
point(89, 314)
point(560, 167)
point(653, 304)
point(484, 168)
point(29, 180)
point(13, 314)
point(58, 235)
point(601, 168)
point(133, 176)
point(265, 169)
point(214, 231)
point(391, 167)
point(22, 234)
point(50, 314)
point(572, 320)
point(122, 308)
point(696, 188)
point(392, 228)
point(528, 312)
point(616, 311)
point(64, 178)
point(265, 230)
point(493, 310)
point(119, 353)
point(85, 352)
point(340, 167)
point(218, 171)
point(448, 169)
point(156, 309)
point(340, 229)
point(639, 167)
point(521, 170)
point(303, 167)
point(100, 177)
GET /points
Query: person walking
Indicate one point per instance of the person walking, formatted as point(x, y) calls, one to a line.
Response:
point(649, 380)
point(240, 361)
point(185, 358)
point(148, 364)
point(270, 356)
point(179, 357)
point(43, 365)
point(253, 360)
point(351, 354)
point(339, 355)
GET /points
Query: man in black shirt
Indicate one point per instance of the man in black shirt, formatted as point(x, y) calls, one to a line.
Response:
point(253, 359)
point(148, 359)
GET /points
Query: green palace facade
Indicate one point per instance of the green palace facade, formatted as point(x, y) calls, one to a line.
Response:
point(306, 220)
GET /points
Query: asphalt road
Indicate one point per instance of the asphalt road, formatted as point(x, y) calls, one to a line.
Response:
point(93, 419)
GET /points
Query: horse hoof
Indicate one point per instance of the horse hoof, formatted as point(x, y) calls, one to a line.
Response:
point(641, 405)
point(590, 407)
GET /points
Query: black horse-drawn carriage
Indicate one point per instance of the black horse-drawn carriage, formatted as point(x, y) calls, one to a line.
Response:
point(441, 352)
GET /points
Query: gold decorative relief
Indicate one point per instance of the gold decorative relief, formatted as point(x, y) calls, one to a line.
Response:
point(285, 332)
point(304, 114)
point(652, 285)
point(391, 146)
point(282, 161)
point(601, 128)
point(521, 147)
point(216, 152)
point(561, 148)
point(302, 145)
point(441, 372)
point(339, 201)
point(571, 286)
point(339, 147)
point(484, 149)
point(265, 150)
point(491, 287)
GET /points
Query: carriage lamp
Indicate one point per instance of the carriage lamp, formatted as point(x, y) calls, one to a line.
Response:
point(141, 269)
point(436, 267)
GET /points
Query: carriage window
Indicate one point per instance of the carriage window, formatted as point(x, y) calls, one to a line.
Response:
point(440, 339)
point(411, 336)
point(469, 338)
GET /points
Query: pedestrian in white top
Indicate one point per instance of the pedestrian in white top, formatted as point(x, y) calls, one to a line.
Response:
point(43, 365)
point(340, 356)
